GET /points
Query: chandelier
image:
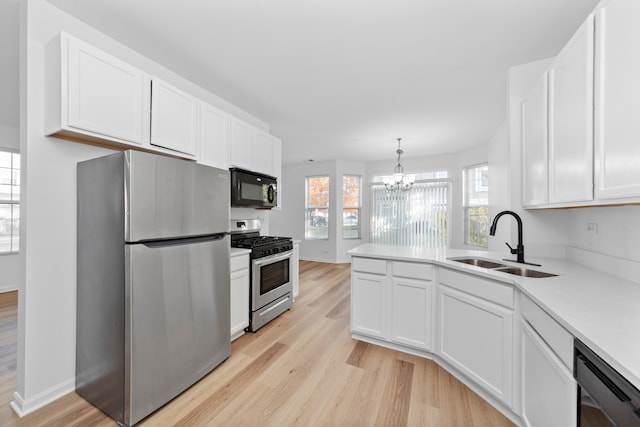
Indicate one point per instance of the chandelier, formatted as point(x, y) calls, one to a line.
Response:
point(399, 181)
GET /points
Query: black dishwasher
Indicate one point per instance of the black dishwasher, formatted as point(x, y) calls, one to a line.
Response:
point(602, 388)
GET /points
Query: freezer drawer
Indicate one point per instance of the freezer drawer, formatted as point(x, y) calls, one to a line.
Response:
point(177, 320)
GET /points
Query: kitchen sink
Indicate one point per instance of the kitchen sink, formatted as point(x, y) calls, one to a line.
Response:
point(525, 272)
point(479, 262)
point(503, 268)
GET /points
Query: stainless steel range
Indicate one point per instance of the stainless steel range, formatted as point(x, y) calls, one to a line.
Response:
point(271, 291)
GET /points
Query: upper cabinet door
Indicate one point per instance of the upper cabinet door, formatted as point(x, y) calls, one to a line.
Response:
point(571, 119)
point(534, 146)
point(241, 144)
point(617, 100)
point(214, 137)
point(263, 152)
point(104, 94)
point(173, 118)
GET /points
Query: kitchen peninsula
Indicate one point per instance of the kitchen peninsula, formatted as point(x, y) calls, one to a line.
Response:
point(474, 321)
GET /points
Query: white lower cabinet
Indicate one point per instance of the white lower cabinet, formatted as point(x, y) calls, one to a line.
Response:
point(412, 305)
point(548, 389)
point(392, 301)
point(239, 294)
point(368, 304)
point(476, 330)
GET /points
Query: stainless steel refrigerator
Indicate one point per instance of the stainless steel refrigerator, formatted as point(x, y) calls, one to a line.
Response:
point(152, 280)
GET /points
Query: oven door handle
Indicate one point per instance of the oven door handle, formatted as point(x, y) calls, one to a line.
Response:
point(272, 258)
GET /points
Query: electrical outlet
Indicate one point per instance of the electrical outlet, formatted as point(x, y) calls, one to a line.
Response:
point(592, 227)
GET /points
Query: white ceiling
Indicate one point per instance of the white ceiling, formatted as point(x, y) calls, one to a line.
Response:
point(342, 79)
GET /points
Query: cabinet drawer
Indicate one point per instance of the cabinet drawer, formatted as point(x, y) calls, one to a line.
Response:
point(369, 265)
point(412, 270)
point(239, 262)
point(556, 337)
point(487, 289)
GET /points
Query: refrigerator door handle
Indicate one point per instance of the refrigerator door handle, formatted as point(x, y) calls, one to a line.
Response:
point(185, 241)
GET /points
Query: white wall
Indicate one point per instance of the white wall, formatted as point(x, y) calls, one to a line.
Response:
point(47, 292)
point(289, 221)
point(9, 264)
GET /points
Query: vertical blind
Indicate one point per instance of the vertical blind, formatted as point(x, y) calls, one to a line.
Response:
point(417, 217)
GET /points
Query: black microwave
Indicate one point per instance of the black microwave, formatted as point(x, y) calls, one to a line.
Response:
point(253, 190)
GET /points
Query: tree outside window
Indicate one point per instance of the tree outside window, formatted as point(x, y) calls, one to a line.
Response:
point(317, 208)
point(476, 205)
point(351, 201)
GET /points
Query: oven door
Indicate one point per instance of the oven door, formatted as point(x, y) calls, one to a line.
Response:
point(270, 279)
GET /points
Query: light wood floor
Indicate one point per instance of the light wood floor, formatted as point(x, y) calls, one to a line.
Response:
point(301, 369)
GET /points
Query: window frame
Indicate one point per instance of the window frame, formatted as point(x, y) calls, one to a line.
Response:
point(351, 208)
point(467, 206)
point(308, 208)
point(12, 201)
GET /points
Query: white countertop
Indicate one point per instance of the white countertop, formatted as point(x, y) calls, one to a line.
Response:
point(600, 309)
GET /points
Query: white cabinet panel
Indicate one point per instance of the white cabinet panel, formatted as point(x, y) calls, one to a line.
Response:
point(476, 337)
point(262, 152)
point(239, 295)
point(368, 305)
point(173, 118)
point(571, 119)
point(411, 312)
point(617, 100)
point(535, 178)
point(241, 144)
point(214, 137)
point(93, 94)
point(295, 270)
point(549, 391)
point(277, 167)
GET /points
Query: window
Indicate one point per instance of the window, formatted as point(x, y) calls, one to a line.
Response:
point(317, 208)
point(9, 202)
point(476, 204)
point(417, 217)
point(351, 202)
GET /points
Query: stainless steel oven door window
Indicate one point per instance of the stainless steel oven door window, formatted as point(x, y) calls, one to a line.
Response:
point(271, 279)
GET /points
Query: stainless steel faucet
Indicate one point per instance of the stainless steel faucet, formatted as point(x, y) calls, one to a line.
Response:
point(519, 250)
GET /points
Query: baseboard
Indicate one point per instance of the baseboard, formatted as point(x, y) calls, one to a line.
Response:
point(623, 268)
point(24, 407)
point(8, 288)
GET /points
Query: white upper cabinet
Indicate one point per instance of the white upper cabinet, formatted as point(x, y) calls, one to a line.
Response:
point(93, 95)
point(617, 100)
point(571, 119)
point(263, 152)
point(214, 137)
point(254, 149)
point(173, 118)
point(535, 188)
point(241, 144)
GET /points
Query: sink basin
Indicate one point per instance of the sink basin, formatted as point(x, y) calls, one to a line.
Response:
point(478, 262)
point(525, 272)
point(504, 268)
